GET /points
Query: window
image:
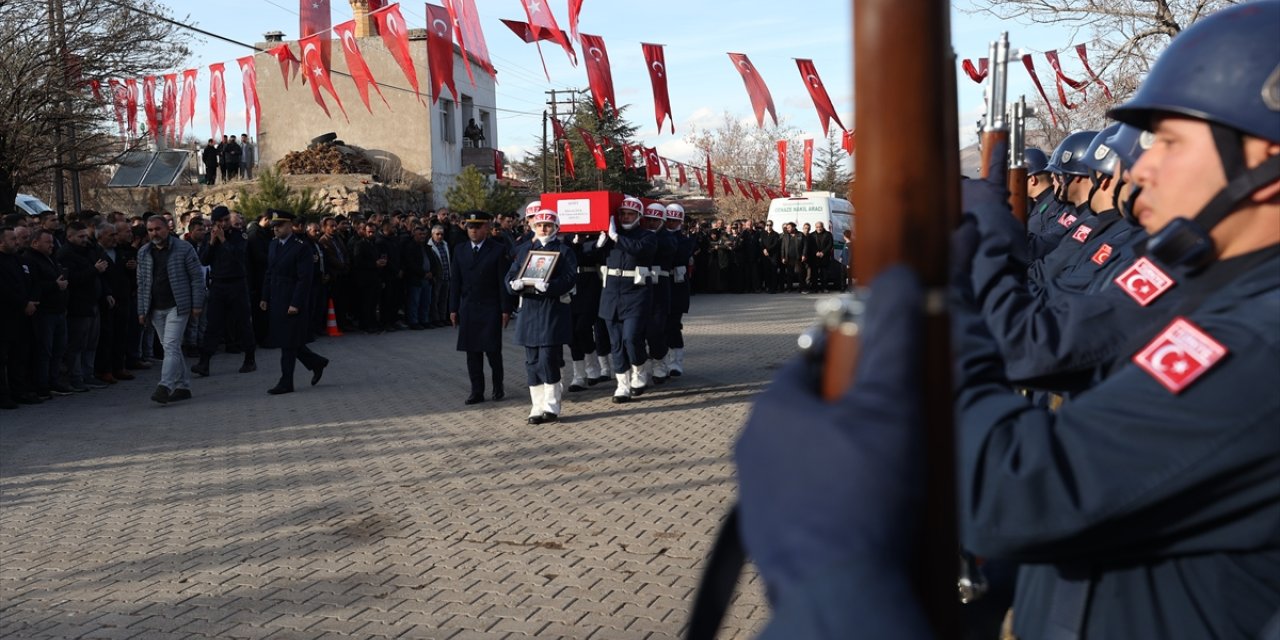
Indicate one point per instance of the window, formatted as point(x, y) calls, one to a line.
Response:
point(447, 126)
point(484, 124)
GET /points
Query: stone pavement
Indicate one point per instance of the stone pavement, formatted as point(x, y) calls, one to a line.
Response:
point(377, 505)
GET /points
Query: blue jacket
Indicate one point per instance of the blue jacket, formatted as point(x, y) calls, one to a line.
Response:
point(685, 246)
point(478, 294)
point(287, 283)
point(590, 257)
point(186, 277)
point(664, 258)
point(622, 297)
point(544, 320)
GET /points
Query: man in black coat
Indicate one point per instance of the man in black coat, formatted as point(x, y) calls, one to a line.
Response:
point(259, 237)
point(286, 297)
point(770, 250)
point(367, 265)
point(85, 264)
point(479, 305)
point(227, 255)
point(117, 307)
point(16, 308)
point(210, 159)
point(822, 251)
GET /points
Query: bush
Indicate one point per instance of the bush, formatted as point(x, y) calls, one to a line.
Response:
point(274, 193)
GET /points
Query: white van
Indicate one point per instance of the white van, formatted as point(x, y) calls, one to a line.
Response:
point(30, 205)
point(836, 214)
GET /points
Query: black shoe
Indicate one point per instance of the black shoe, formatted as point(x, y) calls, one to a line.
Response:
point(536, 419)
point(499, 394)
point(161, 395)
point(621, 399)
point(29, 398)
point(201, 368)
point(416, 327)
point(550, 417)
point(180, 394)
point(249, 366)
point(8, 403)
point(318, 372)
point(279, 389)
point(233, 350)
point(676, 374)
point(475, 398)
point(577, 387)
point(138, 365)
point(659, 380)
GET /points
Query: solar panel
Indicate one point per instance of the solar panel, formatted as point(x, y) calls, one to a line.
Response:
point(131, 167)
point(165, 169)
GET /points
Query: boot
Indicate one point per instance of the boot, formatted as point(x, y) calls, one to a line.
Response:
point(670, 362)
point(536, 392)
point(677, 362)
point(250, 364)
point(579, 381)
point(623, 392)
point(201, 368)
point(551, 394)
point(639, 379)
point(606, 368)
point(592, 368)
point(660, 370)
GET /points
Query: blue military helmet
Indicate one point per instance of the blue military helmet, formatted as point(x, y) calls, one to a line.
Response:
point(1128, 143)
point(1224, 69)
point(1100, 156)
point(1037, 162)
point(1068, 158)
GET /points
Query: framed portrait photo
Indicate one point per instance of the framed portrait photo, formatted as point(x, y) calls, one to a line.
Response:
point(538, 266)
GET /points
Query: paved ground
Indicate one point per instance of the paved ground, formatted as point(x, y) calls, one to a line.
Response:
point(378, 505)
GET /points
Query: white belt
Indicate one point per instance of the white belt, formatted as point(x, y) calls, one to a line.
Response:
point(629, 273)
point(680, 273)
point(638, 275)
point(661, 273)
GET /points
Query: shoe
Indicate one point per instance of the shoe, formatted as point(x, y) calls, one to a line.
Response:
point(279, 389)
point(233, 349)
point(44, 396)
point(318, 372)
point(249, 365)
point(138, 365)
point(91, 383)
point(8, 403)
point(474, 399)
point(122, 375)
point(28, 397)
point(161, 395)
point(549, 417)
point(499, 394)
point(535, 420)
point(79, 388)
point(180, 394)
point(416, 327)
point(106, 378)
point(201, 368)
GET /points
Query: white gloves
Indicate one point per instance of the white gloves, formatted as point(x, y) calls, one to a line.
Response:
point(603, 235)
point(680, 273)
point(516, 285)
point(613, 229)
point(541, 286)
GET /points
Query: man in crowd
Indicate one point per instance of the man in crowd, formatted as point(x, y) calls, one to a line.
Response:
point(226, 254)
point(209, 156)
point(770, 248)
point(286, 298)
point(116, 308)
point(421, 272)
point(822, 248)
point(16, 307)
point(626, 300)
point(440, 296)
point(170, 292)
point(49, 291)
point(338, 268)
point(791, 257)
point(247, 158)
point(84, 264)
point(367, 266)
point(479, 305)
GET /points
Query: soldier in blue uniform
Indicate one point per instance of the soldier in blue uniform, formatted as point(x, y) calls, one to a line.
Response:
point(227, 304)
point(479, 304)
point(626, 298)
point(286, 299)
point(685, 246)
point(660, 272)
point(545, 322)
point(1039, 187)
point(585, 346)
point(1071, 194)
point(1146, 508)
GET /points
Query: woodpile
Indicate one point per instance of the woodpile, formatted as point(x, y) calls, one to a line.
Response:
point(326, 159)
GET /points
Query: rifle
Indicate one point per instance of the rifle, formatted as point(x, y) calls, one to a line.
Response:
point(1018, 161)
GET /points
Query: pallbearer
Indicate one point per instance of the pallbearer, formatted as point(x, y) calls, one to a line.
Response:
point(586, 341)
point(664, 258)
point(625, 300)
point(679, 289)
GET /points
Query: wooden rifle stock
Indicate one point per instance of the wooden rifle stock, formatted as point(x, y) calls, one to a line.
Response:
point(1018, 193)
point(1017, 162)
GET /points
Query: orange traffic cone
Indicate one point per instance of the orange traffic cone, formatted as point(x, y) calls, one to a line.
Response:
point(332, 324)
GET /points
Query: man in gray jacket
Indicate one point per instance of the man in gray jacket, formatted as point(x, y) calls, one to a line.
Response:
point(170, 290)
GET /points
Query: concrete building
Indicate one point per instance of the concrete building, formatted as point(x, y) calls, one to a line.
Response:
point(412, 141)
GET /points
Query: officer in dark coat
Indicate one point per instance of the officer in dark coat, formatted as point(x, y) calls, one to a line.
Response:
point(545, 322)
point(227, 255)
point(680, 289)
point(479, 304)
point(664, 262)
point(286, 296)
point(626, 300)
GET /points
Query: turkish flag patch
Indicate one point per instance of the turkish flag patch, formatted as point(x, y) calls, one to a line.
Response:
point(1102, 254)
point(1144, 281)
point(1082, 233)
point(1067, 220)
point(1179, 355)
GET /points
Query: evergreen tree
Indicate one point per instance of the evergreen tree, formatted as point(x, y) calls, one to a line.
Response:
point(616, 176)
point(473, 191)
point(830, 169)
point(274, 193)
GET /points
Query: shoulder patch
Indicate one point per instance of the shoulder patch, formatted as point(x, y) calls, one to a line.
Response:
point(1103, 253)
point(1067, 219)
point(1179, 355)
point(1144, 281)
point(1082, 233)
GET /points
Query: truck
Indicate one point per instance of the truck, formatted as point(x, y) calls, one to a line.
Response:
point(30, 205)
point(811, 207)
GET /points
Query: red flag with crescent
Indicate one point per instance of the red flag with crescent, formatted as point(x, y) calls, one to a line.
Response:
point(979, 74)
point(666, 168)
point(187, 111)
point(594, 148)
point(356, 65)
point(755, 191)
point(599, 76)
point(761, 99)
point(96, 88)
point(724, 184)
point(288, 63)
point(131, 105)
point(540, 16)
point(575, 8)
point(848, 143)
point(682, 180)
point(314, 19)
point(217, 99)
point(440, 52)
point(118, 100)
point(652, 166)
point(657, 64)
point(169, 106)
point(1084, 60)
point(818, 91)
point(498, 163)
point(697, 173)
point(395, 37)
point(711, 178)
point(314, 67)
point(149, 106)
point(568, 159)
point(249, 84)
point(808, 164)
point(626, 156)
point(557, 129)
point(782, 164)
point(1059, 78)
point(466, 29)
point(1031, 71)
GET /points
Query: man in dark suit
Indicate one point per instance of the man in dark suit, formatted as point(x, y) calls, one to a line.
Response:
point(479, 305)
point(286, 298)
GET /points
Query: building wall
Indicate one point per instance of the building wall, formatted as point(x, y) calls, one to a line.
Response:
point(405, 141)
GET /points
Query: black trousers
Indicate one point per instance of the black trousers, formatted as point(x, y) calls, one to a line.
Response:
point(440, 302)
point(393, 294)
point(542, 364)
point(584, 335)
point(113, 338)
point(7, 368)
point(368, 292)
point(289, 357)
point(475, 370)
point(227, 305)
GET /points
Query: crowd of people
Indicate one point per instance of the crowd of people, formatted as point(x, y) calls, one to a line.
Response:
point(232, 159)
point(754, 257)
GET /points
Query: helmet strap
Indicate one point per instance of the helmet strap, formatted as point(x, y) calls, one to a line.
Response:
point(1096, 181)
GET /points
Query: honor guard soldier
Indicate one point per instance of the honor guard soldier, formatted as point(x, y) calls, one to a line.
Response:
point(227, 305)
point(479, 303)
point(530, 210)
point(545, 322)
point(626, 299)
point(1072, 192)
point(1039, 188)
point(286, 298)
point(685, 246)
point(589, 349)
point(664, 261)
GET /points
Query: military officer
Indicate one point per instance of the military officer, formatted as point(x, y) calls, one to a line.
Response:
point(286, 298)
point(626, 299)
point(226, 254)
point(685, 246)
point(545, 323)
point(664, 259)
point(479, 303)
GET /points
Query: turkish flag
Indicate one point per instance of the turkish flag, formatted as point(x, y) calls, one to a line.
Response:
point(818, 91)
point(131, 105)
point(249, 84)
point(761, 99)
point(540, 16)
point(356, 65)
point(1031, 70)
point(742, 188)
point(682, 180)
point(626, 156)
point(440, 52)
point(149, 106)
point(658, 77)
point(652, 166)
point(568, 159)
point(976, 75)
point(187, 111)
point(755, 192)
point(599, 76)
point(596, 151)
point(666, 169)
point(395, 37)
point(711, 179)
point(314, 20)
point(575, 8)
point(808, 164)
point(697, 173)
point(169, 107)
point(724, 183)
point(217, 99)
point(848, 143)
point(782, 164)
point(96, 88)
point(466, 29)
point(557, 129)
point(1059, 78)
point(498, 163)
point(1084, 60)
point(530, 32)
point(118, 100)
point(314, 67)
point(288, 63)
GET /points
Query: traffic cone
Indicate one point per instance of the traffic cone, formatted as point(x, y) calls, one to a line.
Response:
point(332, 324)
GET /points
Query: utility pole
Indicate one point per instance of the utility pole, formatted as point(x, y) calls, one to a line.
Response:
point(554, 105)
point(71, 132)
point(544, 151)
point(58, 80)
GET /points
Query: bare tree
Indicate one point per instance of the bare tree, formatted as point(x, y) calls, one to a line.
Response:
point(50, 50)
point(739, 149)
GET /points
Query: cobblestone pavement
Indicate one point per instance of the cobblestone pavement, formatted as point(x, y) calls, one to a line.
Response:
point(377, 505)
